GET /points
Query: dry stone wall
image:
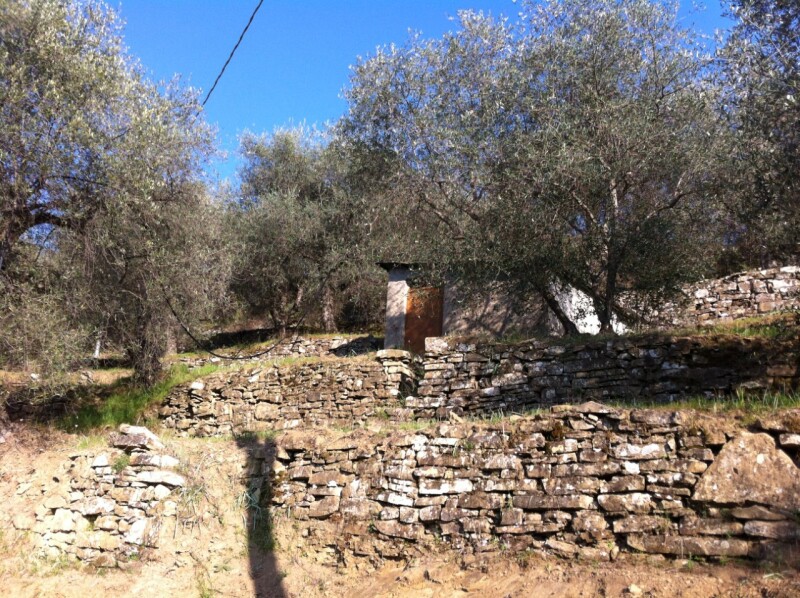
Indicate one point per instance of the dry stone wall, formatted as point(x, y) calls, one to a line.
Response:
point(109, 506)
point(466, 378)
point(745, 294)
point(333, 392)
point(585, 480)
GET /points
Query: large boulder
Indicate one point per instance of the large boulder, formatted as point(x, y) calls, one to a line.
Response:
point(751, 468)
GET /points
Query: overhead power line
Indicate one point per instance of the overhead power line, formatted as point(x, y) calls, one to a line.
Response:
point(227, 62)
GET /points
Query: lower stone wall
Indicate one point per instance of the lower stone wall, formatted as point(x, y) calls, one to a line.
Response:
point(740, 295)
point(467, 378)
point(584, 480)
point(332, 392)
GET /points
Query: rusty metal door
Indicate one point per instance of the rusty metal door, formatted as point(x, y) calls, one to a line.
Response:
point(423, 316)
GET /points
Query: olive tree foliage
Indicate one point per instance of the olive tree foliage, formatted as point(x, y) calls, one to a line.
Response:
point(620, 144)
point(102, 215)
point(300, 234)
point(572, 147)
point(760, 79)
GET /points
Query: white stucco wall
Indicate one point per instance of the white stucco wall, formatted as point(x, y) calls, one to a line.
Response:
point(396, 297)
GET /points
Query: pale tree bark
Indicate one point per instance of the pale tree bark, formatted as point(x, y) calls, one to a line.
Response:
point(328, 318)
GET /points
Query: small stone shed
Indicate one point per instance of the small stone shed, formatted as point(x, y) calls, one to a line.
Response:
point(416, 311)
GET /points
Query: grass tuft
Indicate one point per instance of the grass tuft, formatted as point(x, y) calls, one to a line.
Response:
point(744, 401)
point(780, 326)
point(128, 404)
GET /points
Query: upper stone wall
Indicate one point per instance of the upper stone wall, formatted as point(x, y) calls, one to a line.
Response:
point(333, 392)
point(741, 295)
point(477, 380)
point(473, 379)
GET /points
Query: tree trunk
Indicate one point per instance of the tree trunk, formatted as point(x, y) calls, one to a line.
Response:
point(328, 319)
point(172, 341)
point(146, 361)
point(147, 350)
point(606, 312)
point(570, 329)
point(9, 237)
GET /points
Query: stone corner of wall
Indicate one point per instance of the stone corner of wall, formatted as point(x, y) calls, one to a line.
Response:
point(394, 355)
point(110, 504)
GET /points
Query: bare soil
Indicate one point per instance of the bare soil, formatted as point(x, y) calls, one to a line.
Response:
point(206, 552)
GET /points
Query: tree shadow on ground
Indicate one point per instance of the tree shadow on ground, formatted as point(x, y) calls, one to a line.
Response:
point(256, 499)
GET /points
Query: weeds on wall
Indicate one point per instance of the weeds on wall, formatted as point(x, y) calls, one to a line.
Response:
point(129, 404)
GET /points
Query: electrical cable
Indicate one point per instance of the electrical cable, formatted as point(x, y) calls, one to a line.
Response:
point(238, 357)
point(230, 56)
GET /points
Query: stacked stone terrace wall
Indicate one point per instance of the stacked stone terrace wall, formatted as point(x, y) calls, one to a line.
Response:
point(332, 392)
point(109, 505)
point(471, 379)
point(741, 295)
point(584, 480)
point(478, 380)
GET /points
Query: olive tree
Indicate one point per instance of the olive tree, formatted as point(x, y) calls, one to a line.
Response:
point(619, 143)
point(100, 174)
point(300, 235)
point(760, 78)
point(573, 146)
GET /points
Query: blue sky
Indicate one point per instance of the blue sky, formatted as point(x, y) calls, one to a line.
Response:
point(294, 60)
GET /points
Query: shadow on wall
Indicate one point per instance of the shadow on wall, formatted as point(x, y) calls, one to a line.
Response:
point(256, 496)
point(361, 345)
point(496, 314)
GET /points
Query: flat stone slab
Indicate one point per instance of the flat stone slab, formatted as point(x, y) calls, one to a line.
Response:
point(751, 468)
point(137, 437)
point(161, 476)
point(689, 546)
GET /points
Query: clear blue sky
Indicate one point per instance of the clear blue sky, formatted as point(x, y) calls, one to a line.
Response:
point(294, 60)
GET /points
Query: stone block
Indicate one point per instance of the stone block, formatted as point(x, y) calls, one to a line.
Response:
point(774, 530)
point(323, 508)
point(684, 546)
point(641, 523)
point(696, 526)
point(445, 486)
point(637, 452)
point(396, 529)
point(751, 468)
point(161, 476)
point(636, 502)
point(546, 501)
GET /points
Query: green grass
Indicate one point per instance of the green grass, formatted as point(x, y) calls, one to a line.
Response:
point(747, 402)
point(781, 326)
point(128, 404)
point(290, 360)
point(90, 441)
point(417, 425)
point(121, 462)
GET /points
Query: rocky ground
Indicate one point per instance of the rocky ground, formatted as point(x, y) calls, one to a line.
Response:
point(209, 550)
